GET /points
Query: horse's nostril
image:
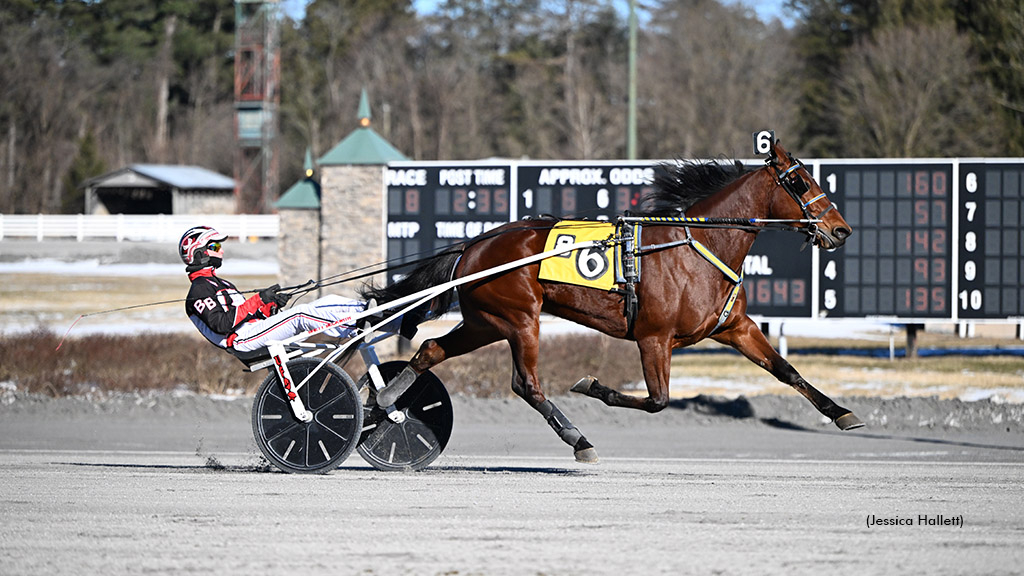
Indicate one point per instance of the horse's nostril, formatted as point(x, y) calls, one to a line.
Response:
point(842, 232)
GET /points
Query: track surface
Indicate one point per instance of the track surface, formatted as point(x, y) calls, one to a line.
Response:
point(116, 492)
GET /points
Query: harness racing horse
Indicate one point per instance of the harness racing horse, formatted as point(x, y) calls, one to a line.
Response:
point(684, 296)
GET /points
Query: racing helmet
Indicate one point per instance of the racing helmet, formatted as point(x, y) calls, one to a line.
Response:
point(195, 246)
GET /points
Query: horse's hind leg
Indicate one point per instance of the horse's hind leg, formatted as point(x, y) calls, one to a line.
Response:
point(476, 332)
point(463, 339)
point(751, 342)
point(524, 341)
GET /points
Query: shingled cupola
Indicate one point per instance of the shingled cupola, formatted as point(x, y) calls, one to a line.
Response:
point(299, 242)
point(363, 146)
point(350, 206)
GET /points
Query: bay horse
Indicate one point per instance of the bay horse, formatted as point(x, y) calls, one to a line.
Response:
point(682, 297)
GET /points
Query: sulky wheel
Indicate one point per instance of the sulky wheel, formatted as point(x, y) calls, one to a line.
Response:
point(424, 426)
point(317, 446)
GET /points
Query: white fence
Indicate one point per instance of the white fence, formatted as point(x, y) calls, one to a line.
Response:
point(139, 228)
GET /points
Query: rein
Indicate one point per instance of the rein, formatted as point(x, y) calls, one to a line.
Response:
point(788, 179)
point(746, 224)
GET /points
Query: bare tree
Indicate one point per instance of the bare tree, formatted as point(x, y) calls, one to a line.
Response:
point(48, 84)
point(915, 92)
point(709, 76)
point(164, 70)
point(538, 110)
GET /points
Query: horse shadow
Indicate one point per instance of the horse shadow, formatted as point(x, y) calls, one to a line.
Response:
point(741, 409)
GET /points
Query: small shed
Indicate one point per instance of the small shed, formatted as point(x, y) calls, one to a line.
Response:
point(160, 189)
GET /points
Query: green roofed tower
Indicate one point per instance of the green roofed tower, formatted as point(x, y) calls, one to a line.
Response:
point(331, 222)
point(304, 194)
point(363, 145)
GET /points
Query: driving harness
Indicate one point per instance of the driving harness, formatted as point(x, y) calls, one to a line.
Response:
point(629, 248)
point(629, 245)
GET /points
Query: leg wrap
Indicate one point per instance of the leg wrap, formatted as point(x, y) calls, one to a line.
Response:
point(396, 387)
point(560, 424)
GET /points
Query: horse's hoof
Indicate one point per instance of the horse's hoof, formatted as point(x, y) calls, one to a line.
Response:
point(849, 422)
point(583, 386)
point(587, 456)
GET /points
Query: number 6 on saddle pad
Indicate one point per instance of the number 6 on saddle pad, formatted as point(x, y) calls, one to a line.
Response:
point(593, 267)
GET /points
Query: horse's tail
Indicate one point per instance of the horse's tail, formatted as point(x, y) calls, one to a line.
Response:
point(435, 271)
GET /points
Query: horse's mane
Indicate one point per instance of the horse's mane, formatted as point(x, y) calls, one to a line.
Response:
point(681, 184)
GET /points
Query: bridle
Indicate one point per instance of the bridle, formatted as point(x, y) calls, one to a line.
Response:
point(794, 184)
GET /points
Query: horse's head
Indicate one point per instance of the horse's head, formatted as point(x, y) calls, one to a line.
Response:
point(804, 199)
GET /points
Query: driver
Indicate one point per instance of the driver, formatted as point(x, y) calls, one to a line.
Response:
point(229, 320)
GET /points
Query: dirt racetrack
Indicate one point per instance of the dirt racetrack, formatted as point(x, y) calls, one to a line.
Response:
point(172, 484)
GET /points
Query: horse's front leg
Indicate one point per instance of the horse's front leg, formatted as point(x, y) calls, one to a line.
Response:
point(656, 358)
point(751, 342)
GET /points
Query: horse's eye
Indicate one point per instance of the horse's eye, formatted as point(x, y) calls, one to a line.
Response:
point(799, 184)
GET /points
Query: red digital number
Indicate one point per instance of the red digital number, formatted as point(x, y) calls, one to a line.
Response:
point(500, 201)
point(921, 240)
point(459, 199)
point(904, 242)
point(921, 212)
point(938, 299)
point(412, 201)
point(568, 201)
point(763, 291)
point(938, 269)
point(920, 299)
point(920, 270)
point(938, 242)
point(939, 212)
point(780, 289)
point(922, 183)
point(939, 187)
point(798, 292)
point(483, 201)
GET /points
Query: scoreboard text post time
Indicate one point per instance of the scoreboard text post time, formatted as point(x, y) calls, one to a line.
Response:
point(431, 205)
point(933, 240)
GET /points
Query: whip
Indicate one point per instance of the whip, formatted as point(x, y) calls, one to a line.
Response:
point(291, 290)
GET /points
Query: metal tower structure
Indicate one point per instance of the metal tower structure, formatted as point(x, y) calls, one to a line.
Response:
point(257, 79)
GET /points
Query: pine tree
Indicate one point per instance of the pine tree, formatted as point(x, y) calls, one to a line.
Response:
point(87, 164)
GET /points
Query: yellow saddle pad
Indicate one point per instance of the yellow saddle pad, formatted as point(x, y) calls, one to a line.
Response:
point(593, 267)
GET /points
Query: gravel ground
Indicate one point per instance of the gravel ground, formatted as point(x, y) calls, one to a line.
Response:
point(172, 484)
point(191, 422)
